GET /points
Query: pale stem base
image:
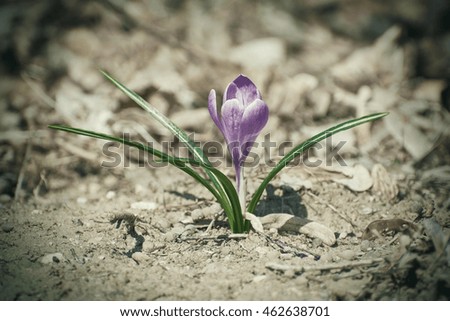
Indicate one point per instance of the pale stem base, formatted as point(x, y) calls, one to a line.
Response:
point(242, 191)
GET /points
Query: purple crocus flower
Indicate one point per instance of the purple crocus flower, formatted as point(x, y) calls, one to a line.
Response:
point(243, 115)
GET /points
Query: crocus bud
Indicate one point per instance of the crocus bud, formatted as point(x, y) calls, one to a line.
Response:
point(242, 117)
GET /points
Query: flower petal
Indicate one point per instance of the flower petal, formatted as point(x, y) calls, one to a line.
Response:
point(247, 91)
point(232, 112)
point(254, 119)
point(212, 107)
point(230, 92)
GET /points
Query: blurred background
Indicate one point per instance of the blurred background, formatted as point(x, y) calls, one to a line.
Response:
point(315, 61)
point(73, 229)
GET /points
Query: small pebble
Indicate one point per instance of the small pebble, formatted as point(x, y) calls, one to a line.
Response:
point(7, 227)
point(110, 195)
point(139, 257)
point(342, 235)
point(367, 211)
point(52, 258)
point(197, 214)
point(81, 200)
point(365, 246)
point(404, 241)
point(259, 278)
point(187, 220)
point(347, 255)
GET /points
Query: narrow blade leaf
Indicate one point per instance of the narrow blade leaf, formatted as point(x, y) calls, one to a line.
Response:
point(166, 122)
point(163, 120)
point(230, 204)
point(299, 149)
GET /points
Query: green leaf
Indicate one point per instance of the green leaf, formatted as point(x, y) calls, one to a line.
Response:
point(166, 122)
point(163, 120)
point(296, 151)
point(230, 204)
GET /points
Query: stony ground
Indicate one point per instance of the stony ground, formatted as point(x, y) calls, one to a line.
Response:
point(72, 228)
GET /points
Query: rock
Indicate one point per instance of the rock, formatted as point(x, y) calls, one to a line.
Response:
point(365, 246)
point(366, 210)
point(140, 257)
point(259, 278)
point(347, 255)
point(187, 220)
point(197, 214)
point(82, 200)
point(342, 235)
point(7, 227)
point(110, 195)
point(52, 258)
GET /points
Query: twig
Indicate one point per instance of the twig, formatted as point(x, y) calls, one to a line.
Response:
point(42, 181)
point(38, 91)
point(23, 169)
point(20, 136)
point(289, 248)
point(73, 149)
point(214, 220)
point(219, 238)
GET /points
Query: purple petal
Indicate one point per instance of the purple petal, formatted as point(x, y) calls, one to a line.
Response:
point(246, 90)
point(254, 119)
point(230, 91)
point(232, 112)
point(212, 107)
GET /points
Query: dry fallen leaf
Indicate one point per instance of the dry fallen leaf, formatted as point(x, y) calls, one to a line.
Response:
point(364, 65)
point(379, 227)
point(255, 222)
point(288, 222)
point(409, 136)
point(359, 178)
point(383, 184)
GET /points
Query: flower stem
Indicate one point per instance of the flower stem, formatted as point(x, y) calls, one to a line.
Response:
point(242, 190)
